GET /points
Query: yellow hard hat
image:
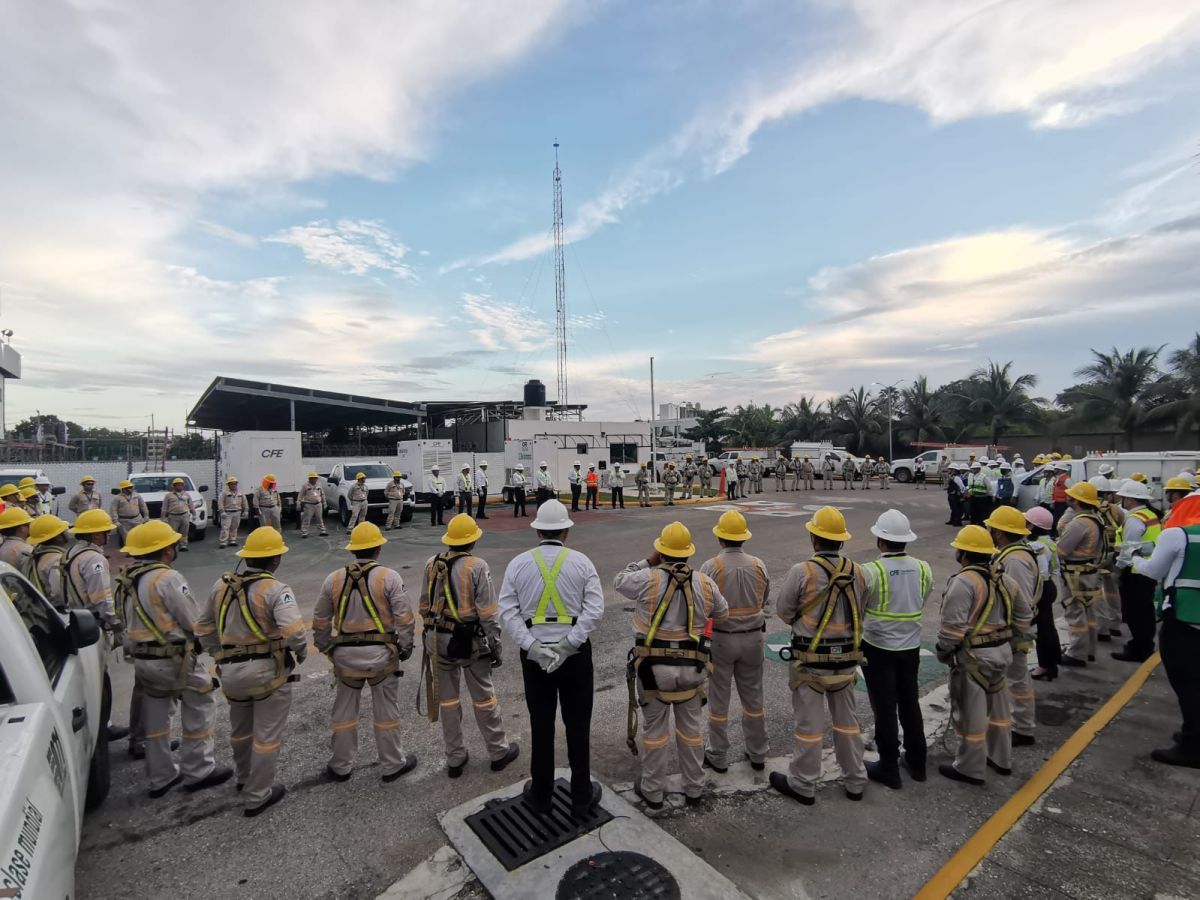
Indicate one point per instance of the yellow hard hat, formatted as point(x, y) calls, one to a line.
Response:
point(313, 475)
point(1138, 476)
point(25, 482)
point(974, 539)
point(1084, 492)
point(675, 540)
point(149, 537)
point(365, 536)
point(1056, 456)
point(14, 517)
point(46, 528)
point(1007, 518)
point(125, 484)
point(86, 479)
point(828, 523)
point(28, 493)
point(462, 530)
point(232, 479)
point(359, 476)
point(1175, 483)
point(397, 474)
point(732, 526)
point(7, 490)
point(263, 542)
point(1066, 456)
point(178, 481)
point(93, 521)
point(270, 478)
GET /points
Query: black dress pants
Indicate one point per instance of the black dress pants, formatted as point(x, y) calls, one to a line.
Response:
point(894, 694)
point(435, 509)
point(1049, 645)
point(519, 502)
point(1179, 644)
point(572, 684)
point(1137, 611)
point(576, 490)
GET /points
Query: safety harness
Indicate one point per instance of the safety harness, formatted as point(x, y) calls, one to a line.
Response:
point(357, 581)
point(975, 640)
point(125, 591)
point(235, 592)
point(1021, 643)
point(694, 651)
point(1074, 571)
point(833, 657)
point(40, 552)
point(440, 617)
point(71, 591)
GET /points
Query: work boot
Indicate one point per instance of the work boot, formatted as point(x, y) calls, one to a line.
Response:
point(709, 764)
point(916, 771)
point(887, 774)
point(219, 775)
point(1128, 655)
point(779, 781)
point(513, 751)
point(277, 793)
point(157, 792)
point(651, 804)
point(454, 771)
point(331, 775)
point(953, 774)
point(756, 766)
point(582, 812)
point(1177, 755)
point(410, 763)
point(998, 769)
point(1023, 740)
point(117, 732)
point(1104, 637)
point(1072, 662)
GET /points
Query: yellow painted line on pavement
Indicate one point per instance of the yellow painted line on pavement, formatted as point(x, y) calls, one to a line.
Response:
point(980, 844)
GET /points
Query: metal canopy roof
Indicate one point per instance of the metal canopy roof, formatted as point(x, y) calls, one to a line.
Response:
point(234, 404)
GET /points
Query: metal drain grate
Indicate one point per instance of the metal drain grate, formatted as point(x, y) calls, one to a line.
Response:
point(515, 834)
point(629, 876)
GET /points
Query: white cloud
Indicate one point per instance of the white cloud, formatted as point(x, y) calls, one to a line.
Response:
point(216, 229)
point(505, 326)
point(353, 247)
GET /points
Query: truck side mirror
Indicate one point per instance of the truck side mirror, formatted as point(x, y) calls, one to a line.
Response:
point(115, 491)
point(203, 489)
point(333, 479)
point(84, 629)
point(58, 490)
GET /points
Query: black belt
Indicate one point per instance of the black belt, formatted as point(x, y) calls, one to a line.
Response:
point(742, 631)
point(999, 642)
point(554, 621)
point(246, 657)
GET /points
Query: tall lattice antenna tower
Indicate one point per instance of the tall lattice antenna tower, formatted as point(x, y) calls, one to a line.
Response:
point(560, 285)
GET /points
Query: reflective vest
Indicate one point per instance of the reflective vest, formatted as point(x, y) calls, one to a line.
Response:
point(894, 620)
point(593, 480)
point(1184, 594)
point(1059, 493)
point(978, 486)
point(1153, 526)
point(550, 592)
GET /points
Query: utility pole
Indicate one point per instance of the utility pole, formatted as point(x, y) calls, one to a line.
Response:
point(653, 477)
point(560, 287)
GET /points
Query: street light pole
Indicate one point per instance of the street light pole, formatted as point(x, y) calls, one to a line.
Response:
point(889, 388)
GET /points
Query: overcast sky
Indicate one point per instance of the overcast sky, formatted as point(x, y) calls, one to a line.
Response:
point(772, 199)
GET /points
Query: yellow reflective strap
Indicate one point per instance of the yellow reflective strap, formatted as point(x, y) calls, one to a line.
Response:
point(550, 590)
point(129, 582)
point(441, 567)
point(238, 584)
point(360, 583)
point(668, 598)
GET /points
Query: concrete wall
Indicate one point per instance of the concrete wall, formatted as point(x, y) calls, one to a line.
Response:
point(1081, 444)
point(108, 474)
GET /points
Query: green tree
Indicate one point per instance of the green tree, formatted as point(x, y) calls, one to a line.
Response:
point(858, 419)
point(994, 397)
point(709, 428)
point(1121, 387)
point(803, 421)
point(1183, 408)
point(921, 413)
point(752, 426)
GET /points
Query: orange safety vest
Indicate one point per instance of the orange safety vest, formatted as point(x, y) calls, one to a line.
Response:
point(593, 480)
point(1060, 489)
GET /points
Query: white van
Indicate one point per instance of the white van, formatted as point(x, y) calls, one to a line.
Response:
point(1157, 467)
point(902, 469)
point(153, 486)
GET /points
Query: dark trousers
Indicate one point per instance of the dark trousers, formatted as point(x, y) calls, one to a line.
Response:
point(1058, 508)
point(956, 507)
point(1049, 645)
point(576, 490)
point(618, 496)
point(482, 504)
point(435, 510)
point(519, 502)
point(572, 682)
point(730, 490)
point(466, 502)
point(1179, 644)
point(593, 498)
point(892, 688)
point(980, 507)
point(1137, 611)
point(542, 495)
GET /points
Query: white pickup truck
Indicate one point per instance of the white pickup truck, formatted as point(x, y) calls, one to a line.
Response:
point(337, 484)
point(54, 703)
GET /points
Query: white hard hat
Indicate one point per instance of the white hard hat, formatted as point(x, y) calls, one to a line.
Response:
point(1062, 467)
point(1134, 489)
point(543, 464)
point(466, 467)
point(521, 466)
point(483, 465)
point(591, 465)
point(41, 479)
point(551, 516)
point(1004, 466)
point(1105, 469)
point(577, 463)
point(892, 525)
point(434, 469)
point(1100, 483)
point(1188, 475)
point(976, 465)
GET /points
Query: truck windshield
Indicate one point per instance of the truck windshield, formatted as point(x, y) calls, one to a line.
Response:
point(158, 484)
point(371, 470)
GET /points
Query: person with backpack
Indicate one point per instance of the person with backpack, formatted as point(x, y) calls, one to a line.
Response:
point(1005, 488)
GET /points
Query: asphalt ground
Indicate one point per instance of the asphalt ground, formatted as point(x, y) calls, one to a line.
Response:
point(354, 839)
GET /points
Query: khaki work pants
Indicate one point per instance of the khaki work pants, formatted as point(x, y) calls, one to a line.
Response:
point(269, 515)
point(705, 486)
point(736, 658)
point(196, 759)
point(827, 481)
point(643, 494)
point(358, 513)
point(808, 707)
point(385, 706)
point(1020, 689)
point(478, 675)
point(808, 482)
point(124, 526)
point(310, 513)
point(982, 722)
point(181, 523)
point(689, 743)
point(256, 729)
point(230, 523)
point(1081, 620)
point(1108, 608)
point(883, 483)
point(780, 483)
point(393, 513)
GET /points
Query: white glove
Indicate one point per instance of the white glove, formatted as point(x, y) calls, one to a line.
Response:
point(543, 656)
point(564, 649)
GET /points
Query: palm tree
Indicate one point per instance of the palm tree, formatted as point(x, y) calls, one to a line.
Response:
point(994, 396)
point(1184, 408)
point(752, 426)
point(921, 414)
point(709, 428)
point(858, 418)
point(803, 421)
point(1123, 387)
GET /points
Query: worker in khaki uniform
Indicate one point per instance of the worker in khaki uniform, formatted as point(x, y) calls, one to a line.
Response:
point(827, 469)
point(705, 473)
point(642, 481)
point(883, 470)
point(358, 498)
point(737, 644)
point(48, 537)
point(1081, 548)
point(807, 472)
point(266, 501)
point(781, 471)
point(160, 611)
point(669, 663)
point(689, 477)
point(177, 511)
point(848, 472)
point(128, 510)
point(670, 483)
point(481, 490)
point(1108, 611)
point(312, 505)
point(975, 640)
point(899, 585)
point(465, 488)
point(461, 640)
point(232, 508)
point(755, 470)
point(823, 600)
point(1017, 560)
point(87, 497)
point(363, 621)
point(252, 627)
point(14, 535)
point(394, 494)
